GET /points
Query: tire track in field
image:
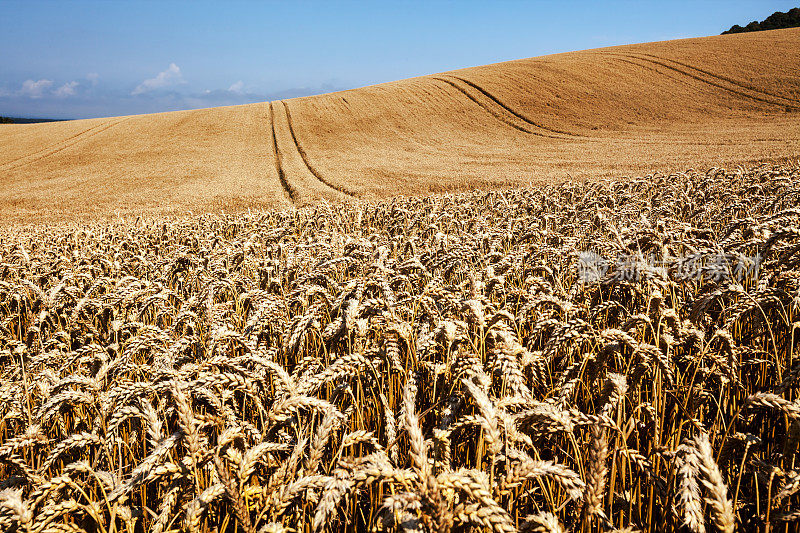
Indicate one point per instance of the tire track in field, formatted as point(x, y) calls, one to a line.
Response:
point(722, 78)
point(699, 78)
point(53, 145)
point(54, 148)
point(569, 137)
point(502, 117)
point(680, 79)
point(304, 156)
point(287, 187)
point(497, 101)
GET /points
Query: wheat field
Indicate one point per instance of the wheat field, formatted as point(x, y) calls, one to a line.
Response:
point(627, 110)
point(457, 362)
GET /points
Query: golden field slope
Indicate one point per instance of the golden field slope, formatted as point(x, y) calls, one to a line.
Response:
point(630, 109)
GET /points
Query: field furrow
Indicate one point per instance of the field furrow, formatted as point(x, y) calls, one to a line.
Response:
point(494, 99)
point(496, 110)
point(59, 146)
point(726, 79)
point(304, 156)
point(291, 192)
point(759, 97)
point(293, 165)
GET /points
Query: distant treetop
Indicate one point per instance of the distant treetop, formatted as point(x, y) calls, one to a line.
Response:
point(6, 120)
point(776, 21)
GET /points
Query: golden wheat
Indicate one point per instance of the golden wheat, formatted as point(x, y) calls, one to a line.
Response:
point(421, 364)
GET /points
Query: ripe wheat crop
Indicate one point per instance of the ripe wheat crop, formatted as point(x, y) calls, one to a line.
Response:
point(423, 364)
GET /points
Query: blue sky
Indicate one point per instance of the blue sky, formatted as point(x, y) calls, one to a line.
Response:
point(82, 59)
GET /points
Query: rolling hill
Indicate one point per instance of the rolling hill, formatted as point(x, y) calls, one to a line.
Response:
point(663, 106)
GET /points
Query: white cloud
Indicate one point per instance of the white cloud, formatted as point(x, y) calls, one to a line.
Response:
point(93, 77)
point(68, 89)
point(171, 76)
point(236, 87)
point(35, 89)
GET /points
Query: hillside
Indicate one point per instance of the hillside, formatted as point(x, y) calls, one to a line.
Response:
point(664, 106)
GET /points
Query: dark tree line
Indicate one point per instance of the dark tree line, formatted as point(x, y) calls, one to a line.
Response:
point(18, 120)
point(776, 21)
